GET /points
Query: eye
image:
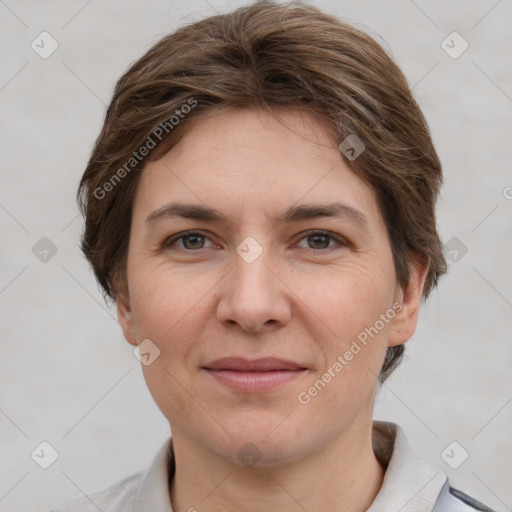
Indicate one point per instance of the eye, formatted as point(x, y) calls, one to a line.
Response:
point(189, 241)
point(321, 240)
point(193, 241)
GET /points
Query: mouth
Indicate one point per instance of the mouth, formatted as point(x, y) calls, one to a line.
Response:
point(256, 375)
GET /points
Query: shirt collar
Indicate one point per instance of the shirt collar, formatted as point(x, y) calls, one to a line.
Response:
point(154, 490)
point(410, 485)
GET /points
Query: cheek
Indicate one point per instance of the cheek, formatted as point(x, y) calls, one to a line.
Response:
point(345, 301)
point(344, 312)
point(167, 302)
point(171, 309)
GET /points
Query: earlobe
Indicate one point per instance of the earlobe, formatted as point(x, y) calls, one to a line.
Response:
point(125, 317)
point(406, 318)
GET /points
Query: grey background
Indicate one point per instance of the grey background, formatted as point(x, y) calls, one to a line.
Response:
point(66, 374)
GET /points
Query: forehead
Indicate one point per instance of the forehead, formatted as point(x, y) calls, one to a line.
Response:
point(243, 161)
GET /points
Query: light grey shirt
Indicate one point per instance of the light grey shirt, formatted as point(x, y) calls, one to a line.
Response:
point(410, 485)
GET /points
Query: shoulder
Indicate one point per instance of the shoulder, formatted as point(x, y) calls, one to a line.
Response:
point(119, 496)
point(453, 500)
point(146, 490)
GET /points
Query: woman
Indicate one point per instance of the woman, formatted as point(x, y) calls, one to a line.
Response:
point(260, 205)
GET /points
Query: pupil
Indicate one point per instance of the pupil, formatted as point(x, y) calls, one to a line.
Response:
point(319, 240)
point(193, 241)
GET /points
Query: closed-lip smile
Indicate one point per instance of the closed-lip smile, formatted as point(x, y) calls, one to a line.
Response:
point(253, 375)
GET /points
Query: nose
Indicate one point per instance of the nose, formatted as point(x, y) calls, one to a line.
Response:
point(253, 296)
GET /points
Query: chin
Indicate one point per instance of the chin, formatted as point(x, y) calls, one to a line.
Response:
point(262, 453)
point(261, 441)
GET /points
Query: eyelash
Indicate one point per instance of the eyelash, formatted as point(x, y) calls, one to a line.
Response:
point(179, 236)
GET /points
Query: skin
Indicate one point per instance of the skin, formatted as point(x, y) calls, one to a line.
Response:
point(305, 298)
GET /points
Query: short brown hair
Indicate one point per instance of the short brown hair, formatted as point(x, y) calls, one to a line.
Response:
point(267, 56)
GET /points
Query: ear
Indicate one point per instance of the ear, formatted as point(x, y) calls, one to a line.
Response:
point(406, 318)
point(125, 317)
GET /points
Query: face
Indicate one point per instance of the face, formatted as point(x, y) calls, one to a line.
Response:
point(252, 240)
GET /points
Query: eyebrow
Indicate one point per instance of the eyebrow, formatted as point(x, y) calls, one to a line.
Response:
point(293, 214)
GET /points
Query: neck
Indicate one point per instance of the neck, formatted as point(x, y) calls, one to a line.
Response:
point(343, 476)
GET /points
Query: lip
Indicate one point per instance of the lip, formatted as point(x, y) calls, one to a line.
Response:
point(264, 364)
point(255, 375)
